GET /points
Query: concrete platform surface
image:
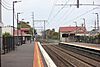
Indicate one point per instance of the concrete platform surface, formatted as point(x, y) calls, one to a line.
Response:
point(21, 57)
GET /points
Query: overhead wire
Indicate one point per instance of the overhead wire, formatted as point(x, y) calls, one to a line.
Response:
point(59, 11)
point(52, 9)
point(68, 11)
point(83, 14)
point(55, 1)
point(5, 6)
point(7, 2)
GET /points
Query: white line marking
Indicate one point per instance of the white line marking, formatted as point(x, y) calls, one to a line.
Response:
point(48, 60)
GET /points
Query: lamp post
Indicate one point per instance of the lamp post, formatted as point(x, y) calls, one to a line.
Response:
point(97, 23)
point(76, 26)
point(76, 30)
point(84, 30)
point(17, 28)
point(13, 24)
point(97, 20)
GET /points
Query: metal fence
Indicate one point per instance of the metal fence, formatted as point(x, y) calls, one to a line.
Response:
point(8, 44)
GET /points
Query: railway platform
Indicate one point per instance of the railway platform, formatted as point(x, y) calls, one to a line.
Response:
point(21, 57)
point(27, 55)
point(52, 55)
point(84, 45)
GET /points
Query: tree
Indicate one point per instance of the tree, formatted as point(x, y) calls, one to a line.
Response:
point(98, 37)
point(51, 34)
point(23, 24)
point(6, 34)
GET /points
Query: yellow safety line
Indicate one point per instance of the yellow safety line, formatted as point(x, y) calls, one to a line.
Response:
point(38, 57)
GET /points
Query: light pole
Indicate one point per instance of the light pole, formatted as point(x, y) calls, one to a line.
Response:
point(84, 22)
point(0, 31)
point(76, 26)
point(76, 29)
point(17, 28)
point(33, 25)
point(44, 30)
point(13, 24)
point(84, 30)
point(97, 20)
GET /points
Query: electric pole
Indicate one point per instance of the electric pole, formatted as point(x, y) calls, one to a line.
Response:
point(44, 30)
point(44, 27)
point(13, 28)
point(84, 23)
point(84, 29)
point(97, 20)
point(0, 31)
point(13, 23)
point(17, 27)
point(1, 24)
point(76, 26)
point(33, 25)
point(95, 25)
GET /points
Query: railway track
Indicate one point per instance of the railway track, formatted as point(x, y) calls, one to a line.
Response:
point(59, 61)
point(64, 56)
point(92, 54)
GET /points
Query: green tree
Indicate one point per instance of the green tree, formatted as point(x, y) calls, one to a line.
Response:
point(6, 34)
point(98, 38)
point(51, 34)
point(23, 24)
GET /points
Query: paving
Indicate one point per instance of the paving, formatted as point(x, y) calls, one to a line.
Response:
point(21, 57)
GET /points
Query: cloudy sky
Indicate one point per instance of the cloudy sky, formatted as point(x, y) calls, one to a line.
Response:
point(57, 16)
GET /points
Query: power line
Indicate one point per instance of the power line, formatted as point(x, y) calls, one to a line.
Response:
point(5, 7)
point(52, 9)
point(59, 10)
point(7, 2)
point(83, 14)
point(67, 12)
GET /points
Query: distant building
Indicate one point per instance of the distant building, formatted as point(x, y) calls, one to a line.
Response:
point(22, 34)
point(68, 33)
point(22, 31)
point(8, 29)
point(93, 32)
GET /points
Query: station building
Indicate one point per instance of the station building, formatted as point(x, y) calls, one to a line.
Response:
point(70, 33)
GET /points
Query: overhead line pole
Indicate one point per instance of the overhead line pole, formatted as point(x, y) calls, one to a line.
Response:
point(84, 22)
point(44, 26)
point(17, 27)
point(13, 27)
point(97, 20)
point(13, 24)
point(0, 30)
point(33, 24)
point(84, 30)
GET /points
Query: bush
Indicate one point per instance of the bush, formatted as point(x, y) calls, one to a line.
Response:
point(6, 34)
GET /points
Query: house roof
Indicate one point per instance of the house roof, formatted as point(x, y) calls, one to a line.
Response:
point(20, 33)
point(72, 29)
point(25, 29)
